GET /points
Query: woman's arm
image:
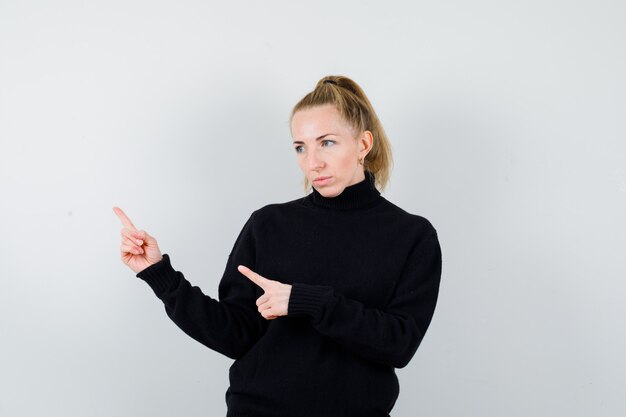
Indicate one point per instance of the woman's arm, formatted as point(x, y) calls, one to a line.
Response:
point(391, 335)
point(231, 325)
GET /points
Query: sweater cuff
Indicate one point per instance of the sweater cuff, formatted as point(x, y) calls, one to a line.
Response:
point(308, 300)
point(159, 276)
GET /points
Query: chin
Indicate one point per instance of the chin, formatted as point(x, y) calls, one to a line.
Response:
point(329, 192)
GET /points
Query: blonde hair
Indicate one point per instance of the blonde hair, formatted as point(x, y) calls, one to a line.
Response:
point(355, 108)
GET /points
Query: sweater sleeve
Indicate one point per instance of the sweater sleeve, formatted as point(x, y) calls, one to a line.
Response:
point(230, 326)
point(388, 336)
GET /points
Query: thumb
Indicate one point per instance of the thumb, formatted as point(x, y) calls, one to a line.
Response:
point(146, 237)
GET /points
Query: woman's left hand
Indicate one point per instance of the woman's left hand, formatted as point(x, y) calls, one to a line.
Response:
point(274, 302)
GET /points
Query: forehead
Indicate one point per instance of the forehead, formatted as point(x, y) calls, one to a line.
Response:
point(308, 124)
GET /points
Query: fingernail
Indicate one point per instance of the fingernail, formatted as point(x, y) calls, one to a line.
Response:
point(139, 242)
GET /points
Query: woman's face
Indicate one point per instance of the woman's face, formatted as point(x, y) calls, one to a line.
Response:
point(328, 149)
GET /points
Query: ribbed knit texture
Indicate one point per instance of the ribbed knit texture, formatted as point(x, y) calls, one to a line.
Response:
point(365, 280)
point(354, 197)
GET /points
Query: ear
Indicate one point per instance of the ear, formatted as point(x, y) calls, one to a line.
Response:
point(366, 141)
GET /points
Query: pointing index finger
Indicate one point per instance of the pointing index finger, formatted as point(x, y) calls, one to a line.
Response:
point(124, 218)
point(253, 276)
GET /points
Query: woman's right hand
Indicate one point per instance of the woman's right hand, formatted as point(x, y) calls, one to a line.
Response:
point(139, 250)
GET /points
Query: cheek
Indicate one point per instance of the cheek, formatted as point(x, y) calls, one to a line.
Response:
point(347, 161)
point(302, 163)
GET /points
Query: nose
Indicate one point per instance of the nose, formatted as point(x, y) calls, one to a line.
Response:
point(314, 161)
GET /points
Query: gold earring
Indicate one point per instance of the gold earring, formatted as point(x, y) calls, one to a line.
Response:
point(361, 161)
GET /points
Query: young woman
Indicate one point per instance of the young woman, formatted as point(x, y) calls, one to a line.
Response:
point(323, 296)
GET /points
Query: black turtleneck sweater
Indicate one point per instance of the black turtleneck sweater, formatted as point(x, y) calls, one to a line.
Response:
point(365, 278)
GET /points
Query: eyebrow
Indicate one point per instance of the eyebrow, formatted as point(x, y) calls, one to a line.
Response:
point(321, 137)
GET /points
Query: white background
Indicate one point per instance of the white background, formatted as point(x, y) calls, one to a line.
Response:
point(507, 121)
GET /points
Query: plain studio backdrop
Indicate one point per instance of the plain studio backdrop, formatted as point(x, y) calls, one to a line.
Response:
point(507, 121)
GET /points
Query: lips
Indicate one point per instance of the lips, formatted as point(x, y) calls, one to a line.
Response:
point(320, 181)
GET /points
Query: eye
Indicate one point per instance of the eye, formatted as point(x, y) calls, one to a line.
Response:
point(298, 148)
point(328, 141)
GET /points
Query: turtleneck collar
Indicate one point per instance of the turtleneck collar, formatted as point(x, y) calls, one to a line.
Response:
point(352, 197)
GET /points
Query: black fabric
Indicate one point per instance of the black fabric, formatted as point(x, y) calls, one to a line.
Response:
point(365, 279)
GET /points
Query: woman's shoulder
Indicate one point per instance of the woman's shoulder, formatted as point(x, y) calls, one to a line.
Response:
point(276, 210)
point(418, 221)
point(276, 207)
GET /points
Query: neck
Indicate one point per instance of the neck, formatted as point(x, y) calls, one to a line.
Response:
point(352, 197)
